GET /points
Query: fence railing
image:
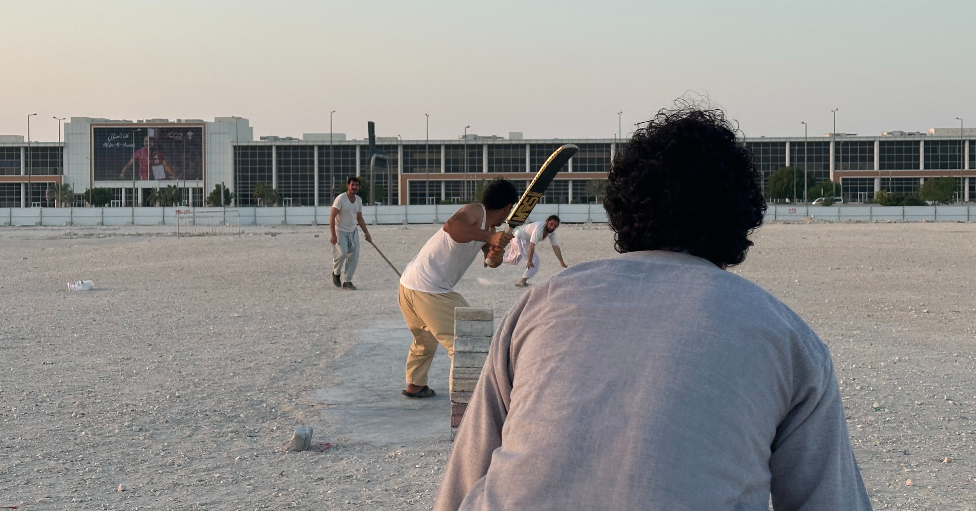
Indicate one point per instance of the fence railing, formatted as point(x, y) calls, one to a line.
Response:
point(871, 213)
point(299, 215)
point(569, 213)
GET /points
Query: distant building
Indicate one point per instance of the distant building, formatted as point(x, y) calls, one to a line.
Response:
point(310, 171)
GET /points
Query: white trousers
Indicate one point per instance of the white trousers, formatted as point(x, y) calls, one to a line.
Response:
point(346, 250)
point(516, 253)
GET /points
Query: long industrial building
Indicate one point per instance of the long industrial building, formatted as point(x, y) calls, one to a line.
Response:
point(131, 158)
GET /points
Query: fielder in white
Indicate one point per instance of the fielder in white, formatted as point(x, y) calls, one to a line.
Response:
point(347, 212)
point(527, 238)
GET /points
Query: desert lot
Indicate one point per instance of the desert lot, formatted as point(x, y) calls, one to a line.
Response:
point(177, 381)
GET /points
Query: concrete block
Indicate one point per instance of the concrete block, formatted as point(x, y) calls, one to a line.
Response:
point(466, 373)
point(463, 385)
point(458, 396)
point(467, 359)
point(473, 314)
point(301, 440)
point(474, 328)
point(472, 344)
point(456, 420)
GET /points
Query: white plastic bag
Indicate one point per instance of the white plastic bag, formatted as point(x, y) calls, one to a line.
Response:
point(81, 285)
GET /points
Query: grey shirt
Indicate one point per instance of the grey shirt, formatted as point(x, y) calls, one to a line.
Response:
point(653, 380)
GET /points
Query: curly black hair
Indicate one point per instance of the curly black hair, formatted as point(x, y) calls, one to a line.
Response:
point(684, 183)
point(499, 193)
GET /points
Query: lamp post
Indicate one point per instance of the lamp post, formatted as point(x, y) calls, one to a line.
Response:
point(465, 160)
point(833, 136)
point(427, 161)
point(237, 153)
point(962, 164)
point(57, 200)
point(805, 178)
point(620, 126)
point(30, 161)
point(331, 170)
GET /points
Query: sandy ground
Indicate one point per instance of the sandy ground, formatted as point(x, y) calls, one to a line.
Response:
point(177, 381)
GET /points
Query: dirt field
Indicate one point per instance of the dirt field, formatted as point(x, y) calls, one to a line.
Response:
point(177, 381)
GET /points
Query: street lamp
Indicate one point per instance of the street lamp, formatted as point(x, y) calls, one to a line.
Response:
point(465, 160)
point(833, 136)
point(805, 179)
point(60, 156)
point(962, 164)
point(427, 162)
point(620, 125)
point(30, 161)
point(331, 170)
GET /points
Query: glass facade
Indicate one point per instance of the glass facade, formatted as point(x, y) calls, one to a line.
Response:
point(898, 155)
point(817, 160)
point(296, 175)
point(769, 157)
point(336, 165)
point(858, 189)
point(383, 174)
point(506, 158)
point(972, 155)
point(943, 154)
point(592, 158)
point(854, 155)
point(906, 186)
point(539, 153)
point(10, 162)
point(420, 159)
point(556, 193)
point(252, 165)
point(454, 158)
point(10, 195)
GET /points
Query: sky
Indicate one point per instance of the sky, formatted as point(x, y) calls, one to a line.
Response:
point(546, 69)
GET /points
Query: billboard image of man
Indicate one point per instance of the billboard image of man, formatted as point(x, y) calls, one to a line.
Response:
point(152, 159)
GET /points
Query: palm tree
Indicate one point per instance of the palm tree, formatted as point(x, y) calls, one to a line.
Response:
point(265, 195)
point(170, 196)
point(61, 193)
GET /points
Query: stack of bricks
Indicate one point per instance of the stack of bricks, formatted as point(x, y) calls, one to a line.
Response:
point(473, 329)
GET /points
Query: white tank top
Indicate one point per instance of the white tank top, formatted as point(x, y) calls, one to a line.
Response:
point(441, 263)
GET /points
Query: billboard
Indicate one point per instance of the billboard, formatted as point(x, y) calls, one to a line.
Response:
point(147, 152)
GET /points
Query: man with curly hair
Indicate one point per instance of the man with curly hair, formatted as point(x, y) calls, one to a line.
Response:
point(656, 379)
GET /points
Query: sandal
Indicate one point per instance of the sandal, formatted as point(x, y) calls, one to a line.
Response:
point(422, 393)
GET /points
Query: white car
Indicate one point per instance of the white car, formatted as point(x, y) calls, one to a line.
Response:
point(820, 201)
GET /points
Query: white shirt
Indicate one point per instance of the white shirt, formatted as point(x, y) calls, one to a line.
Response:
point(441, 263)
point(348, 212)
point(535, 233)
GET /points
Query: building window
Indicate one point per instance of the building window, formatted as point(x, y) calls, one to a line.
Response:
point(768, 157)
point(454, 158)
point(557, 192)
point(252, 165)
point(506, 158)
point(418, 159)
point(858, 189)
point(592, 158)
point(854, 155)
point(296, 175)
point(943, 154)
point(10, 163)
point(906, 186)
point(334, 169)
point(898, 155)
point(539, 153)
point(10, 194)
point(384, 175)
point(425, 192)
point(817, 158)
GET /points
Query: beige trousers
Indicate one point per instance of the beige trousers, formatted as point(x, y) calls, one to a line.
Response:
point(430, 318)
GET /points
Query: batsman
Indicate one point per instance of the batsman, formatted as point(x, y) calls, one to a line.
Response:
point(427, 297)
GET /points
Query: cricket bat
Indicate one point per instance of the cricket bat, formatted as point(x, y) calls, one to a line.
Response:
point(525, 205)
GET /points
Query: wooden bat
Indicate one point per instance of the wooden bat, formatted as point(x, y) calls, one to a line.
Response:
point(525, 205)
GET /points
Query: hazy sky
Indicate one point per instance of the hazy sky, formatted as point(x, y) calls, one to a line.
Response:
point(548, 69)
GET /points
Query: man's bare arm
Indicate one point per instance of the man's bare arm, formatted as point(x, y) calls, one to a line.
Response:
point(334, 238)
point(362, 225)
point(559, 255)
